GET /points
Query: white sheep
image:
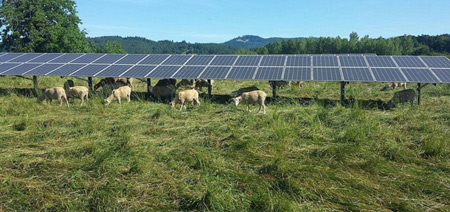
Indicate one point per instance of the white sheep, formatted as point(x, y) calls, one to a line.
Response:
point(122, 92)
point(403, 96)
point(252, 97)
point(167, 91)
point(394, 85)
point(54, 93)
point(79, 92)
point(185, 96)
point(125, 81)
point(299, 83)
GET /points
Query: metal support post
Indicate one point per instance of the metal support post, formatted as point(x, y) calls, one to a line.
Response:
point(209, 88)
point(149, 83)
point(418, 93)
point(36, 85)
point(342, 92)
point(274, 89)
point(90, 83)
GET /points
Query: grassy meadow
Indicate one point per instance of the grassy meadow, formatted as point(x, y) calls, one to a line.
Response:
point(308, 153)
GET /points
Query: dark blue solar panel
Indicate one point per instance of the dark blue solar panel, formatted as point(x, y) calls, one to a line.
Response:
point(269, 73)
point(326, 74)
point(419, 75)
point(87, 58)
point(437, 62)
point(242, 73)
point(66, 58)
point(131, 59)
point(443, 74)
point(200, 60)
point(19, 70)
point(113, 71)
point(380, 61)
point(357, 74)
point(298, 61)
point(271, 60)
point(164, 72)
point(44, 69)
point(352, 61)
point(9, 56)
point(189, 72)
point(154, 59)
point(408, 61)
point(109, 58)
point(325, 61)
point(138, 71)
point(6, 66)
point(215, 73)
point(66, 70)
point(45, 58)
point(177, 59)
point(248, 60)
point(89, 71)
point(224, 60)
point(297, 74)
point(388, 75)
point(25, 58)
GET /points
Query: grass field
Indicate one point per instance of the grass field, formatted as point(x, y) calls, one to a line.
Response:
point(302, 155)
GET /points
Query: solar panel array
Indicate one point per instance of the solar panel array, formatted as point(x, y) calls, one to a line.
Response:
point(351, 67)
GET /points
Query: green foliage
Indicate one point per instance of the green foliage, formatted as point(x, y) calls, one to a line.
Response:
point(41, 26)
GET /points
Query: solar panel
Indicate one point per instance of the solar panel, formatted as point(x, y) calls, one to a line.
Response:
point(154, 59)
point(10, 56)
point(45, 58)
point(325, 61)
point(200, 60)
point(224, 60)
point(419, 75)
point(177, 59)
point(327, 74)
point(113, 71)
point(271, 60)
point(388, 75)
point(437, 62)
point(6, 66)
point(408, 61)
point(244, 73)
point(43, 69)
point(298, 61)
point(297, 74)
point(21, 69)
point(248, 60)
point(65, 70)
point(131, 59)
point(189, 72)
point(110, 58)
point(352, 61)
point(269, 73)
point(380, 61)
point(215, 73)
point(25, 58)
point(66, 58)
point(163, 72)
point(357, 74)
point(443, 74)
point(87, 58)
point(138, 71)
point(89, 70)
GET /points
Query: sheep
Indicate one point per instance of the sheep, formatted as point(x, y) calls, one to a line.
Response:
point(166, 82)
point(394, 85)
point(299, 83)
point(122, 92)
point(186, 82)
point(199, 84)
point(80, 92)
point(68, 84)
point(125, 81)
point(185, 96)
point(242, 90)
point(54, 93)
point(167, 91)
point(103, 82)
point(278, 84)
point(252, 97)
point(403, 96)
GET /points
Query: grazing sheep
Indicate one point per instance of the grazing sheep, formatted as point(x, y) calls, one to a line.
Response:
point(125, 81)
point(243, 90)
point(199, 84)
point(68, 84)
point(103, 82)
point(166, 82)
point(252, 97)
point(279, 84)
point(122, 92)
point(186, 82)
point(185, 96)
point(79, 92)
point(54, 93)
point(393, 85)
point(299, 83)
point(167, 91)
point(403, 96)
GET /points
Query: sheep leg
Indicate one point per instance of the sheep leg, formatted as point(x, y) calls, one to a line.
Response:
point(118, 99)
point(67, 102)
point(82, 100)
point(128, 98)
point(264, 107)
point(181, 107)
point(259, 109)
point(197, 101)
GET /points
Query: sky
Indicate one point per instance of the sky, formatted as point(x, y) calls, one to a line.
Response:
point(217, 21)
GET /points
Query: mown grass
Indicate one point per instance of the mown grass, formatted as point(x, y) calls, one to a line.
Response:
point(302, 155)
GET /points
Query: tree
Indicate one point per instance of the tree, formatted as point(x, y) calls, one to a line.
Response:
point(41, 26)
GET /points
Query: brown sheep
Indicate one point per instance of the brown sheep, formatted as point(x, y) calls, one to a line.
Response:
point(185, 96)
point(167, 91)
point(199, 84)
point(186, 82)
point(243, 90)
point(54, 93)
point(252, 97)
point(403, 96)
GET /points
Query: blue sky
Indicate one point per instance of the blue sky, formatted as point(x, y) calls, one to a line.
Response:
point(221, 20)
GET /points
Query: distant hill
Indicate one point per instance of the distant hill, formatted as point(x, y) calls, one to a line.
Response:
point(139, 45)
point(252, 41)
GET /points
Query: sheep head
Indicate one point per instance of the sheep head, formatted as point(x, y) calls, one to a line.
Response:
point(237, 100)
